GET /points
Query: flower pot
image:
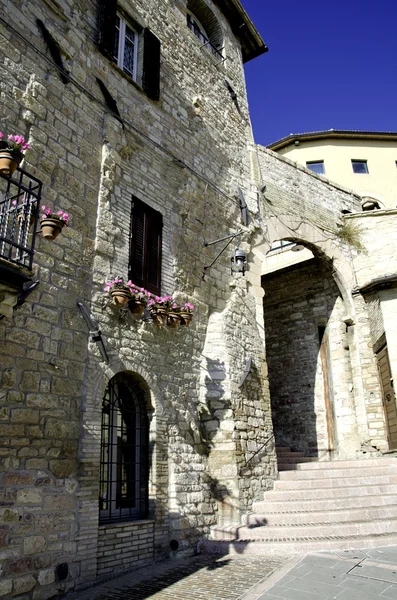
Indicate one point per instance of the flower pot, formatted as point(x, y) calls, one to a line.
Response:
point(9, 160)
point(186, 318)
point(137, 307)
point(159, 315)
point(51, 228)
point(173, 319)
point(120, 297)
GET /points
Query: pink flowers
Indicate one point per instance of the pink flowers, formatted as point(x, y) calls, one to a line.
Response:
point(60, 215)
point(16, 143)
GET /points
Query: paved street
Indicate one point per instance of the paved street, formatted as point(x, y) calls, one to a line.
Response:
point(340, 575)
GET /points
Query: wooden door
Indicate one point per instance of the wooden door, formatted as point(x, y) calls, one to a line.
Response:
point(389, 397)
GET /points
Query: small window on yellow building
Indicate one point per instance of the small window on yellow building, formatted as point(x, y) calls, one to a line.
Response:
point(360, 166)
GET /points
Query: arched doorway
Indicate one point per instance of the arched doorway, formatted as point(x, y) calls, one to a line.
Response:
point(307, 351)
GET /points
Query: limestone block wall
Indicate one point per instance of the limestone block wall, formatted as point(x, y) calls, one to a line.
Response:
point(185, 156)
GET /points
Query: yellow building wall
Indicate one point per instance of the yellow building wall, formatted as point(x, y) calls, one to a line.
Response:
point(381, 156)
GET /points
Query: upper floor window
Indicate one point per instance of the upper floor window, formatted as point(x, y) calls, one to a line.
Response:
point(126, 47)
point(203, 23)
point(133, 47)
point(145, 246)
point(360, 166)
point(316, 166)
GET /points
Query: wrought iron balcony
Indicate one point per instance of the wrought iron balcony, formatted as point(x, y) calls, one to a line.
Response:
point(20, 197)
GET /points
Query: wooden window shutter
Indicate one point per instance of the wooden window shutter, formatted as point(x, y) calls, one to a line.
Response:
point(107, 25)
point(145, 246)
point(151, 65)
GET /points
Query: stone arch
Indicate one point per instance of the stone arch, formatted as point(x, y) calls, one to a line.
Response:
point(207, 18)
point(325, 246)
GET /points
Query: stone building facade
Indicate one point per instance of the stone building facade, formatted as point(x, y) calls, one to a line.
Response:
point(139, 110)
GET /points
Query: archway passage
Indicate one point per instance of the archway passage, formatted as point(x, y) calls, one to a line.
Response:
point(308, 368)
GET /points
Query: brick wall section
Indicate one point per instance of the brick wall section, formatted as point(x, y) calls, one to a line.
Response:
point(122, 547)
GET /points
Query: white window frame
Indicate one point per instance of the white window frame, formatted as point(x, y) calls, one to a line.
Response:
point(119, 59)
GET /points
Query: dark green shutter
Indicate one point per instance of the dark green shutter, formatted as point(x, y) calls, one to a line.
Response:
point(107, 26)
point(151, 65)
point(145, 247)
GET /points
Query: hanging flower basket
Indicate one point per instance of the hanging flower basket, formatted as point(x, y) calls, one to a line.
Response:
point(173, 319)
point(11, 153)
point(121, 296)
point(159, 314)
point(186, 314)
point(137, 307)
point(52, 223)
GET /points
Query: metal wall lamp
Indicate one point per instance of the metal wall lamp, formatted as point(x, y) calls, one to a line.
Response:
point(237, 260)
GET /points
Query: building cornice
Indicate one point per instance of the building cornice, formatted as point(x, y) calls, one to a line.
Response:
point(294, 138)
point(252, 44)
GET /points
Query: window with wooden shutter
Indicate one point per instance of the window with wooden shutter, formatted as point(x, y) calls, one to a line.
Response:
point(151, 65)
point(145, 246)
point(133, 48)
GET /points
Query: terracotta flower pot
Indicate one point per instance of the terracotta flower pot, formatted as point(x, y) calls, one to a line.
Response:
point(173, 319)
point(137, 307)
point(159, 315)
point(120, 297)
point(186, 318)
point(9, 160)
point(51, 228)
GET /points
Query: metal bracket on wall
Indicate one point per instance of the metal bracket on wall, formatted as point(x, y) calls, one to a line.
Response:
point(95, 332)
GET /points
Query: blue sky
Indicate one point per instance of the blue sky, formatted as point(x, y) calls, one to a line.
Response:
point(329, 65)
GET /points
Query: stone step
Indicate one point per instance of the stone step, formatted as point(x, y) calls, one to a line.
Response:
point(317, 474)
point(315, 493)
point(337, 482)
point(334, 517)
point(285, 506)
point(346, 464)
point(347, 529)
point(293, 460)
point(284, 547)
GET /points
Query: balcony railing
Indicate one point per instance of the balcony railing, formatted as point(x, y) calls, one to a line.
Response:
point(19, 208)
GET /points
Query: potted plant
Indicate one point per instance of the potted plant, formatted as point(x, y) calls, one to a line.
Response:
point(138, 299)
point(174, 316)
point(159, 307)
point(11, 153)
point(186, 314)
point(52, 223)
point(119, 291)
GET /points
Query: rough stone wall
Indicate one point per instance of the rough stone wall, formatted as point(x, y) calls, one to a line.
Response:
point(298, 301)
point(186, 157)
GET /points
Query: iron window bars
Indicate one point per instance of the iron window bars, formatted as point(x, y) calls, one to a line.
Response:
point(123, 484)
point(20, 197)
point(199, 33)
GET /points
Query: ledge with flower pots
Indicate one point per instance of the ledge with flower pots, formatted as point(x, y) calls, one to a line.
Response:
point(163, 310)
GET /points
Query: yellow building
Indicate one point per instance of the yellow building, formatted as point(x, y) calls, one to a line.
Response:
point(364, 161)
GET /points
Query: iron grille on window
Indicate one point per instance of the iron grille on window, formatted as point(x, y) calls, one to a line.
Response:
point(123, 486)
point(19, 205)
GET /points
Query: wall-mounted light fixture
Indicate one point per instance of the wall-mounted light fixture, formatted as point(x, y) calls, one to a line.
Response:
point(239, 261)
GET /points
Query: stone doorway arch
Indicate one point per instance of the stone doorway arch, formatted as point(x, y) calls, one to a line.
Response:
point(327, 420)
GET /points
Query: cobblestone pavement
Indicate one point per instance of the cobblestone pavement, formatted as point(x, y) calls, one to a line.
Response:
point(341, 575)
point(196, 578)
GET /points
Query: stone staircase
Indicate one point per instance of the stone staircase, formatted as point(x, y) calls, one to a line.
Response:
point(316, 506)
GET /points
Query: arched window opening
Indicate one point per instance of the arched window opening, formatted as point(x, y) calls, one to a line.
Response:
point(124, 469)
point(203, 23)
